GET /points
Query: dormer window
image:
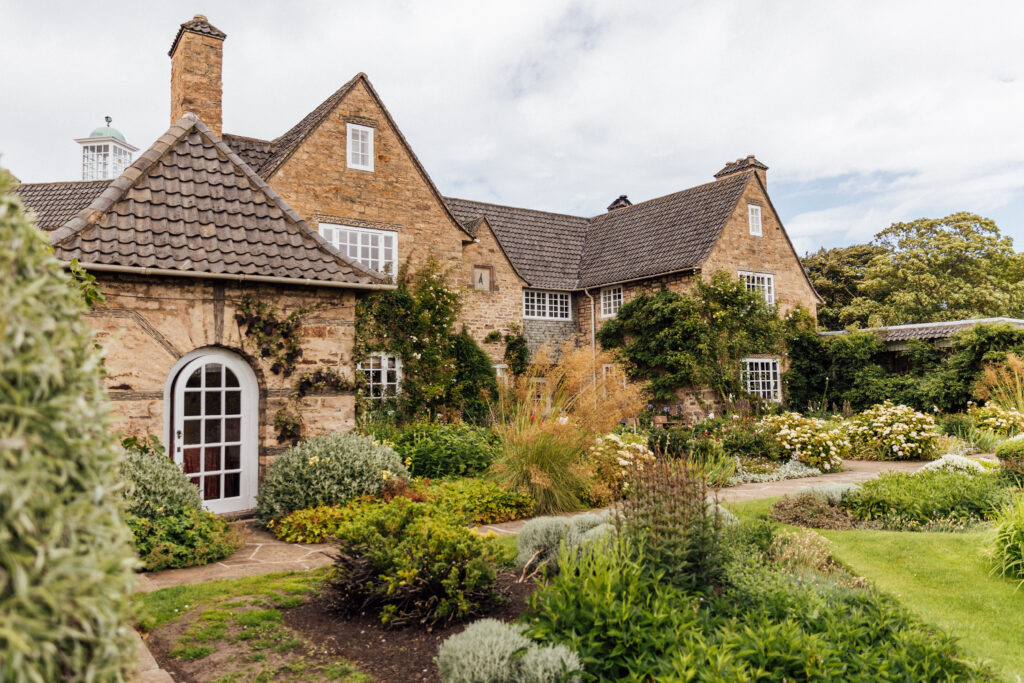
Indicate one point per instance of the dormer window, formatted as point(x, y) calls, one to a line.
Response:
point(105, 153)
point(754, 219)
point(360, 147)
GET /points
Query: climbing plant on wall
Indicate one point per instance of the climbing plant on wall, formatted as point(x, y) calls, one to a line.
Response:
point(441, 374)
point(672, 341)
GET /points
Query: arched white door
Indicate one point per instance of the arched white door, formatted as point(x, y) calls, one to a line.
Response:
point(214, 428)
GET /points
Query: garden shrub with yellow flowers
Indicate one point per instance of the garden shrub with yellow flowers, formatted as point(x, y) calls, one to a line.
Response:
point(990, 416)
point(615, 458)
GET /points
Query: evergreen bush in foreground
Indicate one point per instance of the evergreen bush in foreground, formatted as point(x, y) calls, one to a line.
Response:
point(65, 554)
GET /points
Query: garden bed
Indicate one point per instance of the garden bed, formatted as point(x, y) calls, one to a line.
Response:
point(276, 628)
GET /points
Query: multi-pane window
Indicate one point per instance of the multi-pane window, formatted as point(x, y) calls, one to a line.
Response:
point(611, 300)
point(760, 283)
point(549, 305)
point(761, 378)
point(95, 162)
point(104, 161)
point(382, 375)
point(360, 147)
point(501, 371)
point(754, 218)
point(375, 249)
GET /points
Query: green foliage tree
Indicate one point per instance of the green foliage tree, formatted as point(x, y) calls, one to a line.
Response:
point(441, 374)
point(926, 270)
point(65, 554)
point(671, 341)
point(837, 275)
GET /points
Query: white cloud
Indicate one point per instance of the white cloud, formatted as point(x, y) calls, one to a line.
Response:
point(901, 109)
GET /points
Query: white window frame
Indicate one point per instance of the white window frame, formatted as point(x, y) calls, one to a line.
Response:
point(377, 386)
point(763, 283)
point(362, 249)
point(762, 378)
point(351, 151)
point(611, 301)
point(754, 219)
point(542, 304)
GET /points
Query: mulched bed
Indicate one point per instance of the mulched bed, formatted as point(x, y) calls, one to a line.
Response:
point(405, 654)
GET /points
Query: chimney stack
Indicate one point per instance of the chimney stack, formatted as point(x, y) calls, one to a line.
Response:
point(740, 165)
point(621, 202)
point(196, 56)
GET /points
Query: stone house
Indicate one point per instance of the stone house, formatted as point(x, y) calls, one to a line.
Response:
point(328, 212)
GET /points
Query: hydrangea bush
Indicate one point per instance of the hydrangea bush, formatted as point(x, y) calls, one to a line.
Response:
point(614, 458)
point(894, 432)
point(326, 470)
point(819, 443)
point(999, 420)
point(956, 463)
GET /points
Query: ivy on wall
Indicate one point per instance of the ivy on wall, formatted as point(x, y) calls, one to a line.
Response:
point(673, 341)
point(443, 373)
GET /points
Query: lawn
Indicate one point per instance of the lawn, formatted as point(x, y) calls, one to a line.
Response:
point(943, 577)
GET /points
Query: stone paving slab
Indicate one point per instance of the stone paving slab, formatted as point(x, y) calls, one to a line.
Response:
point(260, 553)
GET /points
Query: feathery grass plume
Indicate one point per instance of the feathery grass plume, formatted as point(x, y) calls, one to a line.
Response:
point(1003, 383)
point(65, 553)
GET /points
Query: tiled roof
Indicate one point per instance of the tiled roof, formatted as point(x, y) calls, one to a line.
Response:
point(664, 235)
point(544, 247)
point(197, 24)
point(658, 236)
point(253, 151)
point(190, 204)
point(740, 165)
point(57, 203)
point(939, 330)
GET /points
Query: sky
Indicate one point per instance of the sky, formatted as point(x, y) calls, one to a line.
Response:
point(867, 113)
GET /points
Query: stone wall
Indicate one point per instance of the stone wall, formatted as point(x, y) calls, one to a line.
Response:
point(318, 184)
point(149, 323)
point(772, 252)
point(554, 333)
point(497, 308)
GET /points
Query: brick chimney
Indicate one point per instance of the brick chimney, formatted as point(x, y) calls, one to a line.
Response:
point(740, 165)
point(196, 56)
point(620, 203)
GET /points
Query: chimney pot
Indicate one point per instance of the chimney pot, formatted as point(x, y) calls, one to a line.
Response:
point(621, 202)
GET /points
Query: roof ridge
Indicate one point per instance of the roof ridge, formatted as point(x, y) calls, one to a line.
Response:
point(178, 130)
point(626, 209)
point(518, 208)
point(67, 182)
point(249, 137)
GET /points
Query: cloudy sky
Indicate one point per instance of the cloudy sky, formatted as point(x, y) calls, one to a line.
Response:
point(866, 112)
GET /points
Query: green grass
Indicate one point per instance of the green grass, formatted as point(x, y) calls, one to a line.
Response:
point(945, 579)
point(168, 604)
point(942, 577)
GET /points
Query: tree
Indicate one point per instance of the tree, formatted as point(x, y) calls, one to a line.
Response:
point(837, 275)
point(66, 559)
point(951, 268)
point(675, 341)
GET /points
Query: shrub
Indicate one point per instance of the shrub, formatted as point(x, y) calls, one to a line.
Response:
point(956, 463)
point(810, 440)
point(491, 651)
point(186, 538)
point(791, 469)
point(1008, 540)
point(891, 432)
point(1011, 457)
point(545, 463)
point(799, 550)
point(667, 516)
point(810, 510)
point(434, 449)
point(905, 500)
point(614, 457)
point(993, 418)
point(156, 486)
point(326, 470)
point(65, 555)
point(477, 501)
point(539, 540)
point(1003, 383)
point(833, 494)
point(312, 525)
point(408, 565)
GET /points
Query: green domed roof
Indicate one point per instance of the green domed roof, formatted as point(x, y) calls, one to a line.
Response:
point(107, 132)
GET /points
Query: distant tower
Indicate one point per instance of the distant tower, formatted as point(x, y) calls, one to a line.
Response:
point(105, 153)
